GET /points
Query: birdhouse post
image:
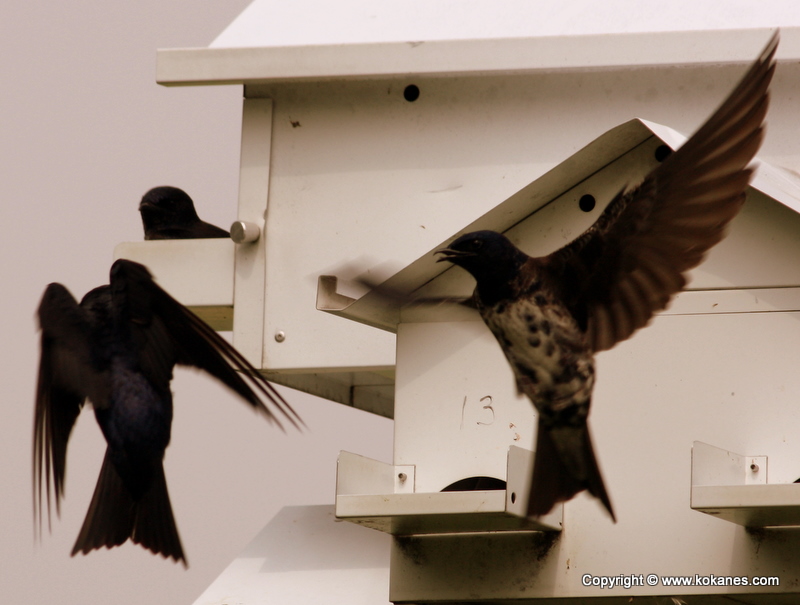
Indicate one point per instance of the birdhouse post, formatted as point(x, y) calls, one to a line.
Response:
point(361, 159)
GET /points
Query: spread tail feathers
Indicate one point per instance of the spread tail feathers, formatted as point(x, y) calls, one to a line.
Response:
point(564, 465)
point(114, 516)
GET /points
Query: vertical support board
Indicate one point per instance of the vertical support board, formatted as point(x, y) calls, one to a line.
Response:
point(249, 277)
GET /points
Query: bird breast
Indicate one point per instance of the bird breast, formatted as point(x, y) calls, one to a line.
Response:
point(549, 354)
point(139, 417)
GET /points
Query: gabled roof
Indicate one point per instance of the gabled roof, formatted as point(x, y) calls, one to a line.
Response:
point(427, 278)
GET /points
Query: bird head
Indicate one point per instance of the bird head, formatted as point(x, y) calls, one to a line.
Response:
point(485, 254)
point(166, 205)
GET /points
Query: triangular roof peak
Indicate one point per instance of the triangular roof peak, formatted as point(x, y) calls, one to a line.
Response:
point(603, 167)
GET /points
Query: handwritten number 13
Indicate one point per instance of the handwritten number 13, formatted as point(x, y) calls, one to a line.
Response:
point(487, 401)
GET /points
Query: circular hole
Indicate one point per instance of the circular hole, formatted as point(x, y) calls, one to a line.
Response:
point(411, 93)
point(513, 497)
point(587, 203)
point(662, 153)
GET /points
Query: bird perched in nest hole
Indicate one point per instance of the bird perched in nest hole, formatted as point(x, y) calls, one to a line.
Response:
point(551, 314)
point(118, 348)
point(168, 213)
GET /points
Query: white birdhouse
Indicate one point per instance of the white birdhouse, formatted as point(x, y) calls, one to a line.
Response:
point(457, 416)
point(373, 155)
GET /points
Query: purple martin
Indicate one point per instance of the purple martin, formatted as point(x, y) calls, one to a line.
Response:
point(551, 314)
point(118, 348)
point(168, 213)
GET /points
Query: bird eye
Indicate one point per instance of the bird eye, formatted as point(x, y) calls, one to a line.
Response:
point(477, 244)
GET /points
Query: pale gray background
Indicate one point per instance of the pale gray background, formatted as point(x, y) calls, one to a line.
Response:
point(85, 132)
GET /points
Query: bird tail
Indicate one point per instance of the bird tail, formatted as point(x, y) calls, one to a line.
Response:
point(564, 465)
point(114, 516)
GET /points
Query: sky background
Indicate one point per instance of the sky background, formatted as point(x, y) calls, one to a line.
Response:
point(85, 131)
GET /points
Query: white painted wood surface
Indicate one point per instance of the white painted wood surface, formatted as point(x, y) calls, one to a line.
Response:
point(358, 174)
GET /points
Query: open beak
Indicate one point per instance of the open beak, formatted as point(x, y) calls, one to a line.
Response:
point(449, 254)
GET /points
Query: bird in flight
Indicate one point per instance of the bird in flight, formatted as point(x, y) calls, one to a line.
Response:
point(118, 348)
point(168, 213)
point(551, 314)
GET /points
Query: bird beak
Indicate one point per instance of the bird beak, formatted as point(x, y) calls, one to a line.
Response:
point(449, 254)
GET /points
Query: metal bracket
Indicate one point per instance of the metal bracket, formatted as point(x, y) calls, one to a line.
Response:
point(381, 496)
point(370, 309)
point(734, 487)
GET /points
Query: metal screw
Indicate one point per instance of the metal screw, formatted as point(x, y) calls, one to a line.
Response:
point(280, 336)
point(402, 477)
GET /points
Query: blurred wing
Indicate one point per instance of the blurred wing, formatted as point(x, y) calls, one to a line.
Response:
point(66, 377)
point(397, 297)
point(632, 261)
point(166, 333)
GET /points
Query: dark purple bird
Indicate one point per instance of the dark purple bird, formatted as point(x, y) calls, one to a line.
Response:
point(118, 348)
point(551, 314)
point(168, 213)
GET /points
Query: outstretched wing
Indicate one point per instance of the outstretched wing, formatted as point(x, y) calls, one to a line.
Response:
point(165, 333)
point(633, 259)
point(68, 374)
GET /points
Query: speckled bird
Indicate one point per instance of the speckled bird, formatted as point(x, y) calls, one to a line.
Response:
point(551, 314)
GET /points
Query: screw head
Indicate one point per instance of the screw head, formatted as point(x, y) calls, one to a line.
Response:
point(280, 336)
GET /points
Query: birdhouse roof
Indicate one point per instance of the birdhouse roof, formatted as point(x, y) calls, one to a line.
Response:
point(304, 22)
point(284, 41)
point(427, 279)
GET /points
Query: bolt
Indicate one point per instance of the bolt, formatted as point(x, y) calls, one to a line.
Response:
point(280, 336)
point(243, 232)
